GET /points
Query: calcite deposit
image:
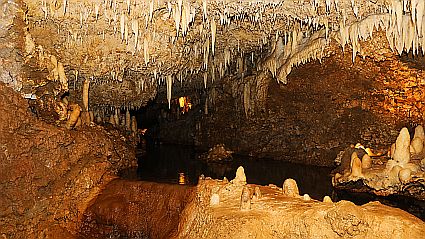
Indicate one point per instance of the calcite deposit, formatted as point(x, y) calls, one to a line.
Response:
point(277, 215)
point(400, 173)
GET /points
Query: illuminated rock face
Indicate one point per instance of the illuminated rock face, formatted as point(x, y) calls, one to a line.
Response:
point(277, 216)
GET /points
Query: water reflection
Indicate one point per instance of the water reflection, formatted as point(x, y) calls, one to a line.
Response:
point(166, 163)
point(179, 164)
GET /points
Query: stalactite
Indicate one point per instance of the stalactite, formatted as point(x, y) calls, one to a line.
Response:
point(146, 50)
point(246, 99)
point(133, 124)
point(213, 27)
point(117, 117)
point(169, 82)
point(86, 85)
point(127, 120)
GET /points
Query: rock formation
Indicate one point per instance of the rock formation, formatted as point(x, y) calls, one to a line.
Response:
point(240, 178)
point(402, 147)
point(277, 216)
point(50, 174)
point(290, 188)
point(402, 174)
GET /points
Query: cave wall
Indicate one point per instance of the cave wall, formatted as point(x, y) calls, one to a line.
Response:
point(325, 107)
point(50, 174)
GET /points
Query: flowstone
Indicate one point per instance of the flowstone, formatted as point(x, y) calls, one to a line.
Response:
point(278, 216)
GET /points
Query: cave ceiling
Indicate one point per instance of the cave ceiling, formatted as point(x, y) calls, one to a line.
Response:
point(126, 48)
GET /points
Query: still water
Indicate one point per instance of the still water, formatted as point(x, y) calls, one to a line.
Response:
point(164, 162)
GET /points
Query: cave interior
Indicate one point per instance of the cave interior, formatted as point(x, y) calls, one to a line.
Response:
point(129, 118)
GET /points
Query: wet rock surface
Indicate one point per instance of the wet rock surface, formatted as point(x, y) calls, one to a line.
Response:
point(50, 174)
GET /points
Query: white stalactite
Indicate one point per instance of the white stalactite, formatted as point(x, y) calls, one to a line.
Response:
point(213, 27)
point(169, 83)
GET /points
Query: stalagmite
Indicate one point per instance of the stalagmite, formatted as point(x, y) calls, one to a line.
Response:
point(91, 116)
point(245, 199)
point(306, 197)
point(74, 116)
point(327, 199)
point(356, 166)
point(393, 175)
point(405, 175)
point(240, 178)
point(402, 147)
point(79, 122)
point(366, 161)
point(257, 193)
point(112, 120)
point(418, 140)
point(290, 188)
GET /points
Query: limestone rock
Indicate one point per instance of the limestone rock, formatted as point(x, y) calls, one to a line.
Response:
point(404, 175)
point(240, 178)
point(215, 199)
point(290, 188)
point(366, 162)
point(306, 197)
point(419, 132)
point(392, 150)
point(418, 140)
point(347, 220)
point(245, 199)
point(393, 174)
point(327, 199)
point(402, 147)
point(356, 166)
point(257, 193)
